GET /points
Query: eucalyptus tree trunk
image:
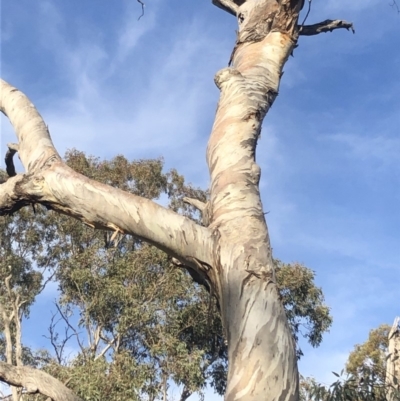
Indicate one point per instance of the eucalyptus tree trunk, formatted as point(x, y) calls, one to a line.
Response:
point(393, 362)
point(231, 253)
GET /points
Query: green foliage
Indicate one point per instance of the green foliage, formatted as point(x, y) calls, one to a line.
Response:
point(369, 359)
point(365, 379)
point(23, 263)
point(19, 243)
point(346, 388)
point(303, 302)
point(130, 299)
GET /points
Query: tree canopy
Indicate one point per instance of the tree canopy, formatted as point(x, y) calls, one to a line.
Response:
point(366, 376)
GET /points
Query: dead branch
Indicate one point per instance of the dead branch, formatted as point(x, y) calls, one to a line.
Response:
point(72, 328)
point(57, 346)
point(325, 26)
point(199, 205)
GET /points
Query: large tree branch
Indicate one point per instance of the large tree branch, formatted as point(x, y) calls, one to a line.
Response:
point(52, 183)
point(325, 26)
point(36, 381)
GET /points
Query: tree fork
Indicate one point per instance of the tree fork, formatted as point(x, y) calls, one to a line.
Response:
point(233, 253)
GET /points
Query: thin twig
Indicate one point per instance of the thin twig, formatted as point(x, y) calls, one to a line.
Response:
point(58, 347)
point(308, 13)
point(142, 4)
point(395, 5)
point(76, 334)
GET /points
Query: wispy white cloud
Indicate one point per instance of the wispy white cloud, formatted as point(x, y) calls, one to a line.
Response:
point(162, 120)
point(382, 148)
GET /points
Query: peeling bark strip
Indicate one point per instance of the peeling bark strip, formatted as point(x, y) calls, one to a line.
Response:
point(36, 381)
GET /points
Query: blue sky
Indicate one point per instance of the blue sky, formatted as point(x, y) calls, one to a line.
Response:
point(107, 83)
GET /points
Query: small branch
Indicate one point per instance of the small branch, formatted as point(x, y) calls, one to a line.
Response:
point(142, 4)
point(105, 349)
point(308, 13)
point(70, 327)
point(195, 203)
point(47, 280)
point(197, 275)
point(203, 207)
point(57, 346)
point(325, 26)
point(395, 6)
point(12, 150)
point(230, 6)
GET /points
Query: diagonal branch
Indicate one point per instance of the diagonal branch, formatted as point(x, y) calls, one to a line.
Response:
point(325, 26)
point(36, 381)
point(50, 182)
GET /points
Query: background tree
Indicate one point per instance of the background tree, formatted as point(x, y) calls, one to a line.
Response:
point(369, 359)
point(368, 377)
point(303, 302)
